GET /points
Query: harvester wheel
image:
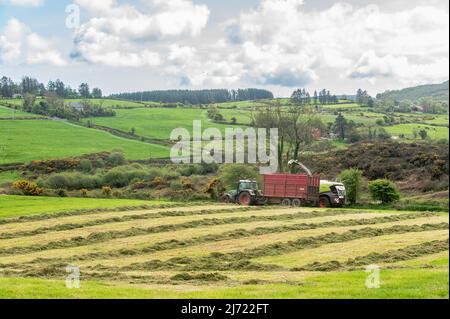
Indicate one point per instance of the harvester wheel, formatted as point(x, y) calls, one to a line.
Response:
point(324, 202)
point(245, 199)
point(286, 202)
point(296, 202)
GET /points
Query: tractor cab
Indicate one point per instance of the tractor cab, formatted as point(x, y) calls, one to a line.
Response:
point(246, 193)
point(247, 185)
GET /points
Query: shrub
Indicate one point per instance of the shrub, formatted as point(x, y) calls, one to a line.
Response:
point(116, 178)
point(28, 188)
point(176, 185)
point(57, 181)
point(384, 190)
point(61, 193)
point(232, 173)
point(74, 180)
point(85, 165)
point(352, 179)
point(159, 181)
point(116, 159)
point(106, 190)
point(187, 183)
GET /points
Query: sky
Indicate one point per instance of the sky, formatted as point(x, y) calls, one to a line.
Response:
point(279, 45)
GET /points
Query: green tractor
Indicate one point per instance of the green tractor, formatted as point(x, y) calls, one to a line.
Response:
point(246, 194)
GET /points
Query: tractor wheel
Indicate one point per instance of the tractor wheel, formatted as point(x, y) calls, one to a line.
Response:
point(226, 199)
point(245, 199)
point(286, 202)
point(324, 202)
point(296, 202)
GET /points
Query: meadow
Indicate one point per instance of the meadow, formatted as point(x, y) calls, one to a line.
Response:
point(157, 123)
point(7, 113)
point(219, 251)
point(112, 103)
point(434, 132)
point(26, 140)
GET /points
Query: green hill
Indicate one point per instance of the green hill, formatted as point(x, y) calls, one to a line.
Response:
point(435, 91)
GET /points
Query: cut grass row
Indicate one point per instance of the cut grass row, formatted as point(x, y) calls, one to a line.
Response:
point(232, 234)
point(390, 256)
point(240, 260)
point(95, 234)
point(411, 249)
point(342, 252)
point(116, 219)
point(138, 242)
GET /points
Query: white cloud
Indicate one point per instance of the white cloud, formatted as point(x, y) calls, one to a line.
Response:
point(122, 35)
point(277, 43)
point(281, 43)
point(24, 3)
point(18, 44)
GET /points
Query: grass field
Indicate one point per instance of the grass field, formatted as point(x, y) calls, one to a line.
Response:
point(111, 102)
point(6, 112)
point(434, 132)
point(11, 101)
point(217, 251)
point(156, 122)
point(26, 140)
point(13, 206)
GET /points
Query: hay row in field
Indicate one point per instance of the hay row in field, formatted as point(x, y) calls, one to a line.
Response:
point(240, 260)
point(390, 256)
point(119, 219)
point(79, 212)
point(97, 237)
point(234, 234)
point(184, 264)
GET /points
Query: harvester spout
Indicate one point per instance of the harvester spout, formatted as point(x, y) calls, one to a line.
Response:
point(294, 163)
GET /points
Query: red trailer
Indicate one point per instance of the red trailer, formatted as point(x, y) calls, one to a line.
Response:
point(291, 189)
point(285, 189)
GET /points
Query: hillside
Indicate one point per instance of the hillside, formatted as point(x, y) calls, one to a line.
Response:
point(435, 91)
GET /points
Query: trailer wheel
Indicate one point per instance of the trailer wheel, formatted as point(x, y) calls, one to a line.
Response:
point(226, 199)
point(245, 199)
point(286, 202)
point(296, 202)
point(324, 202)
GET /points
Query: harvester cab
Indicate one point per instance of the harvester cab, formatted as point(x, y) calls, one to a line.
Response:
point(331, 194)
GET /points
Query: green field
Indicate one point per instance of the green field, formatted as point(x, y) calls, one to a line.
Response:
point(111, 102)
point(17, 102)
point(8, 113)
point(26, 140)
point(156, 122)
point(13, 206)
point(434, 132)
point(219, 251)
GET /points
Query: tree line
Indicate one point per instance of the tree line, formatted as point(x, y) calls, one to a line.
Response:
point(29, 85)
point(196, 96)
point(301, 96)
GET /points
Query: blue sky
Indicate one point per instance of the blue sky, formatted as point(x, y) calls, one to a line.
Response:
point(275, 44)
